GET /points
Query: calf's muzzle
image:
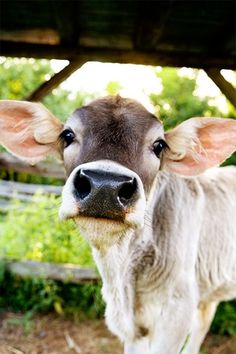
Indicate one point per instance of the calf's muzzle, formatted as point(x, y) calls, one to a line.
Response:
point(104, 194)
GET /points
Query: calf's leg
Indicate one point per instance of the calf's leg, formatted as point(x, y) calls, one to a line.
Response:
point(204, 317)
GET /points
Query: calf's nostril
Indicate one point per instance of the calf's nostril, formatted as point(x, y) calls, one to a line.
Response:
point(82, 186)
point(127, 191)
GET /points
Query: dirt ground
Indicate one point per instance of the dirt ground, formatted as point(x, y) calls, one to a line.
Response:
point(53, 335)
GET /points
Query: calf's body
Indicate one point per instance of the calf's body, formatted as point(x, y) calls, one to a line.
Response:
point(164, 283)
point(162, 230)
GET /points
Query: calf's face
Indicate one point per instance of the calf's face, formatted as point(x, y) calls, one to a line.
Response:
point(112, 151)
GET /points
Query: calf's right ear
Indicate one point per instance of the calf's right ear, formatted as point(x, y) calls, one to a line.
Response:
point(198, 144)
point(28, 130)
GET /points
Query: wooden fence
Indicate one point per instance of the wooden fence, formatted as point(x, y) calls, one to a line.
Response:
point(24, 192)
point(45, 169)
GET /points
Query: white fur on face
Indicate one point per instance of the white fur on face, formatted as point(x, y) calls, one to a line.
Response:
point(101, 233)
point(91, 227)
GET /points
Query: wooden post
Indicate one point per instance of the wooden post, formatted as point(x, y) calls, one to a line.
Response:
point(226, 87)
point(46, 87)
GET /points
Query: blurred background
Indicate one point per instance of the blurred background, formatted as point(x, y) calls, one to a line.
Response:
point(178, 59)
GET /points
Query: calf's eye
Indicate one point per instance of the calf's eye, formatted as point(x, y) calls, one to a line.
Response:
point(67, 136)
point(158, 146)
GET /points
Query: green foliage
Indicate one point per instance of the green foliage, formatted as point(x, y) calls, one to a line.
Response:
point(19, 77)
point(177, 101)
point(85, 298)
point(225, 320)
point(11, 175)
point(113, 88)
point(2, 270)
point(62, 105)
point(230, 161)
point(31, 296)
point(185, 344)
point(34, 232)
point(24, 321)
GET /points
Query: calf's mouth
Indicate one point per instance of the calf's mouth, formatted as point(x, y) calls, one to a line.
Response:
point(104, 198)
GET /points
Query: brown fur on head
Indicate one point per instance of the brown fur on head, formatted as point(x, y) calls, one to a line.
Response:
point(114, 128)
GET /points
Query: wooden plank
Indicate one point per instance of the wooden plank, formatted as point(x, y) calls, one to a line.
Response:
point(63, 272)
point(226, 87)
point(83, 54)
point(45, 169)
point(152, 24)
point(14, 194)
point(10, 189)
point(47, 86)
point(5, 206)
point(32, 35)
point(23, 192)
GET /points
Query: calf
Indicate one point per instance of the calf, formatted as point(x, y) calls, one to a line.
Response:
point(162, 232)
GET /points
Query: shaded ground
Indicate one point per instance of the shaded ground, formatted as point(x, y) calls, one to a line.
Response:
point(52, 335)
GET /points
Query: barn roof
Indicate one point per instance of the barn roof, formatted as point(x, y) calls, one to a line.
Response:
point(198, 34)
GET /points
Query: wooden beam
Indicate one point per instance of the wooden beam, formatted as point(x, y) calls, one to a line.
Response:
point(226, 87)
point(47, 86)
point(83, 54)
point(151, 25)
point(64, 272)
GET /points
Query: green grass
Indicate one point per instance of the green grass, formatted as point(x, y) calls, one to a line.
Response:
point(34, 295)
point(34, 232)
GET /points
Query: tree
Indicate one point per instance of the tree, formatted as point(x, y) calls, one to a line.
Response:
point(19, 77)
point(177, 101)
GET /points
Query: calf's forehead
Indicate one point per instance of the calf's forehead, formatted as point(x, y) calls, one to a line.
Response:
point(114, 128)
point(114, 118)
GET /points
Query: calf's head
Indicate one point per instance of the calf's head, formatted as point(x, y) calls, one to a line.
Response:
point(112, 151)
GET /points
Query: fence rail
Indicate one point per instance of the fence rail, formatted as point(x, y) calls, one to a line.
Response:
point(44, 169)
point(67, 273)
point(24, 191)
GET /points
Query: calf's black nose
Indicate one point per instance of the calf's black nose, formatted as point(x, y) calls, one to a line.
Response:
point(104, 194)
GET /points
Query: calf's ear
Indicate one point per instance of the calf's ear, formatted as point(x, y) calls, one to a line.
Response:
point(28, 130)
point(198, 144)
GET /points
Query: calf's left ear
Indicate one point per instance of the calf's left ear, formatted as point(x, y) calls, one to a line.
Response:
point(28, 130)
point(198, 144)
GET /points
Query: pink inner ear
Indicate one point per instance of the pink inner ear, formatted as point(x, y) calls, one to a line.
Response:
point(17, 135)
point(24, 147)
point(217, 141)
point(20, 121)
point(188, 166)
